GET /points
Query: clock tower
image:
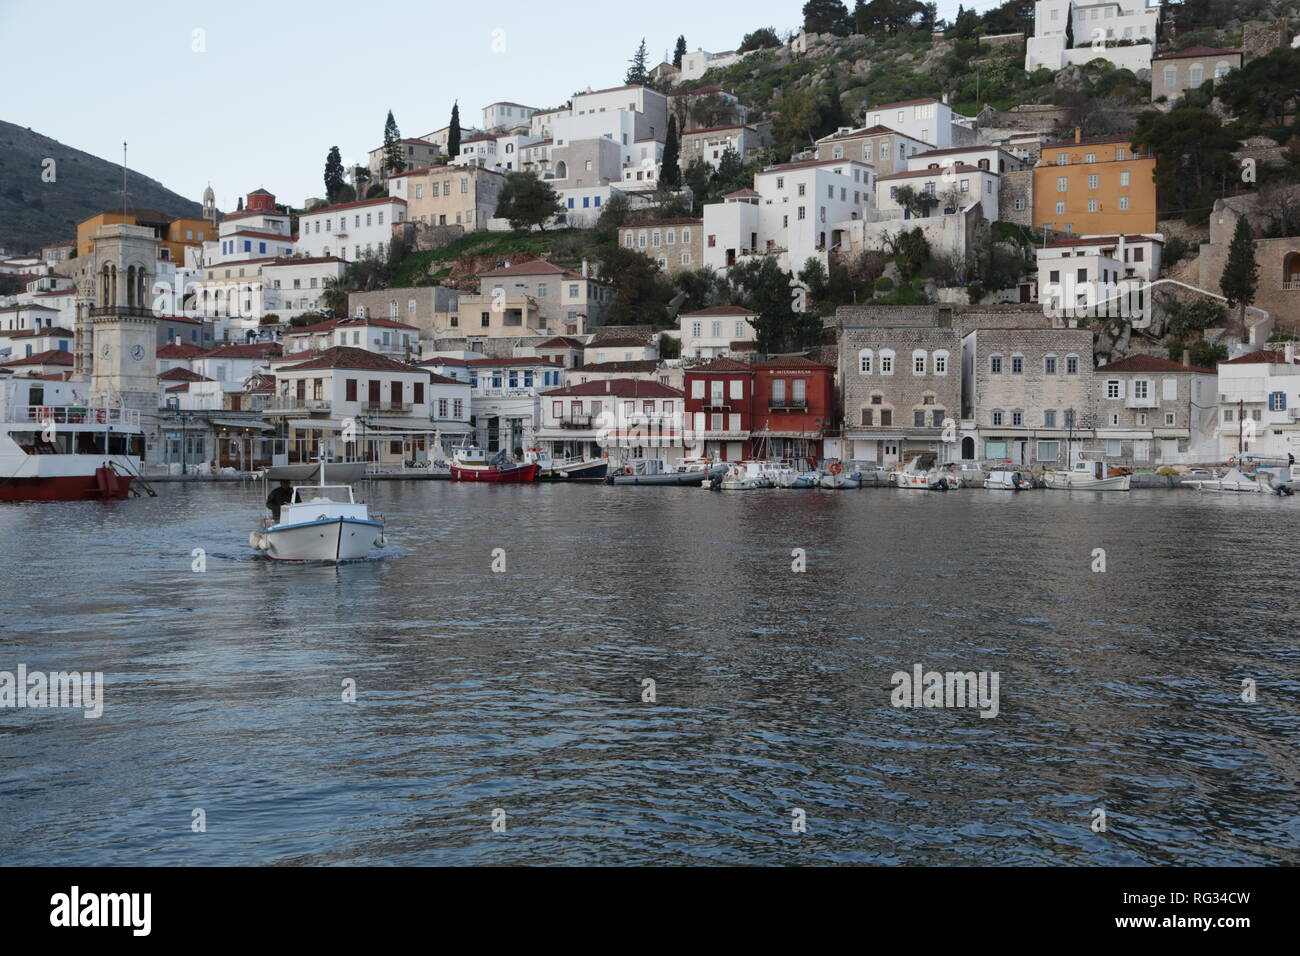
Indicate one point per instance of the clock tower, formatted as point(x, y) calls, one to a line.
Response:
point(121, 319)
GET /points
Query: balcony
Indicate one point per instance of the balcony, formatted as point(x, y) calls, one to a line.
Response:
point(715, 405)
point(788, 404)
point(286, 404)
point(372, 408)
point(575, 421)
point(132, 311)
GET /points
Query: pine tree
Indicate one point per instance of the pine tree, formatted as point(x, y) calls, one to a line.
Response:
point(333, 173)
point(1241, 273)
point(637, 72)
point(670, 171)
point(453, 132)
point(393, 162)
point(679, 52)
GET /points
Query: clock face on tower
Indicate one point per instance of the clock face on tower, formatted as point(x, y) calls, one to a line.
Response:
point(107, 351)
point(137, 352)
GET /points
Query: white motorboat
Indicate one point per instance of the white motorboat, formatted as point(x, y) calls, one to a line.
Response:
point(1265, 481)
point(799, 479)
point(1008, 481)
point(921, 474)
point(745, 476)
point(1086, 475)
point(320, 523)
point(837, 480)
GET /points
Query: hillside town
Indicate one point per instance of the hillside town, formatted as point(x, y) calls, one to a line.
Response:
point(654, 269)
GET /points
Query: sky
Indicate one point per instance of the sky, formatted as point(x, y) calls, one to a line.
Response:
point(245, 95)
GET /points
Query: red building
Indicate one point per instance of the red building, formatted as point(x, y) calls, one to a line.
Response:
point(718, 408)
point(793, 407)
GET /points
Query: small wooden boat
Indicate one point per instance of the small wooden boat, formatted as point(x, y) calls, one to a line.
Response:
point(1008, 481)
point(1086, 475)
point(470, 464)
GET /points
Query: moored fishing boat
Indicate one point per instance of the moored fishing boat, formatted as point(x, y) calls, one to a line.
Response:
point(653, 471)
point(921, 474)
point(799, 479)
point(470, 464)
point(1086, 475)
point(837, 479)
point(574, 468)
point(744, 476)
point(1008, 481)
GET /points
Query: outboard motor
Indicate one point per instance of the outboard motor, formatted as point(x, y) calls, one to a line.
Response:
point(1015, 481)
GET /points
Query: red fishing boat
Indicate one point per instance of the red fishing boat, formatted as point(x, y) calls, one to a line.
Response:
point(470, 464)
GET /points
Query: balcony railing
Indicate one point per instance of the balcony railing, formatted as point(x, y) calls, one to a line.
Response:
point(575, 421)
point(133, 311)
point(370, 407)
point(290, 403)
point(787, 403)
point(1293, 286)
point(73, 415)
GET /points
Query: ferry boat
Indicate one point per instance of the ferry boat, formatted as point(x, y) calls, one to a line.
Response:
point(1086, 475)
point(54, 446)
point(320, 523)
point(470, 464)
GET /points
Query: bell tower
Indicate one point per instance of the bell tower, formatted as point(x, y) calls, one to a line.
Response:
point(121, 318)
point(210, 205)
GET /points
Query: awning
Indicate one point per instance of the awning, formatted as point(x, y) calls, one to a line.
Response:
point(251, 423)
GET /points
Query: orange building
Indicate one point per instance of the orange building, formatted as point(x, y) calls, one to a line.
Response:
point(174, 235)
point(1095, 185)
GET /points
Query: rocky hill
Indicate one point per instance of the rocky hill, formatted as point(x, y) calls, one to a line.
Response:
point(34, 211)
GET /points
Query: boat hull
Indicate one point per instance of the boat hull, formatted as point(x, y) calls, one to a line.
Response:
point(672, 478)
point(331, 539)
point(591, 471)
point(509, 475)
point(840, 482)
point(1065, 481)
point(103, 485)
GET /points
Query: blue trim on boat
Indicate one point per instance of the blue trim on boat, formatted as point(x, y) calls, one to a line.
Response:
point(308, 524)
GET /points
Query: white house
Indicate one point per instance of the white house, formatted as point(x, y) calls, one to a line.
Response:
point(503, 393)
point(506, 115)
point(711, 332)
point(623, 114)
point(1070, 268)
point(696, 64)
point(954, 187)
point(1259, 404)
point(350, 230)
point(1094, 25)
point(291, 287)
point(926, 119)
point(389, 337)
point(619, 349)
point(619, 417)
point(794, 211)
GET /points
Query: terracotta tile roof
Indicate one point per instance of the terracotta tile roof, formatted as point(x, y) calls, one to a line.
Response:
point(809, 163)
point(260, 383)
point(715, 129)
point(561, 342)
point(533, 267)
point(740, 192)
point(1089, 141)
point(624, 341)
point(619, 388)
point(182, 375)
point(890, 106)
point(1260, 357)
point(721, 310)
point(249, 350)
point(955, 168)
point(48, 357)
point(791, 361)
point(642, 223)
point(503, 362)
point(354, 205)
point(720, 365)
point(631, 365)
point(34, 333)
point(180, 350)
point(352, 322)
point(1151, 363)
point(1101, 241)
point(876, 130)
point(347, 357)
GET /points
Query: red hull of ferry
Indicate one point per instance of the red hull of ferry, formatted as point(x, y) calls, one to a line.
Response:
point(103, 485)
point(513, 473)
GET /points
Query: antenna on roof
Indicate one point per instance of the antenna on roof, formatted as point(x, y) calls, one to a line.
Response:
point(123, 177)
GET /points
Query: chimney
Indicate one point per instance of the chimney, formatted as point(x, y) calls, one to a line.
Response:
point(1289, 351)
point(1078, 134)
point(584, 268)
point(1187, 358)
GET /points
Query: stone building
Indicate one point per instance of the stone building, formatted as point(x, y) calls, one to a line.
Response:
point(1176, 72)
point(676, 245)
point(426, 307)
point(900, 384)
point(1260, 39)
point(1026, 394)
point(1278, 291)
point(1150, 411)
point(1016, 198)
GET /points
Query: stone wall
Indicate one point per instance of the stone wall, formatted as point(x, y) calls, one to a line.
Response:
point(1259, 39)
point(1017, 185)
point(421, 237)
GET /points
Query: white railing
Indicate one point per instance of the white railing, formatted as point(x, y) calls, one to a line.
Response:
point(73, 415)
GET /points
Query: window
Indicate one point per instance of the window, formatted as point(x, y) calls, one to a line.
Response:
point(1123, 202)
point(1017, 419)
point(1277, 401)
point(1114, 388)
point(941, 363)
point(1141, 388)
point(1017, 365)
point(997, 416)
point(918, 362)
point(1072, 365)
point(864, 362)
point(886, 362)
point(1049, 450)
point(1169, 418)
point(995, 365)
point(1049, 419)
point(1094, 181)
point(1062, 184)
point(1060, 209)
point(1049, 365)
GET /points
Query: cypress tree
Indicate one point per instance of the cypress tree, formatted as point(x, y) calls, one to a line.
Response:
point(671, 171)
point(1241, 273)
point(453, 132)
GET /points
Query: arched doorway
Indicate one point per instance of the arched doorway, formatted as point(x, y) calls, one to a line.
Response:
point(967, 448)
point(1291, 272)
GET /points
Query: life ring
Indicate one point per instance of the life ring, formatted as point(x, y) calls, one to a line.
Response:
point(836, 468)
point(627, 469)
point(101, 416)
